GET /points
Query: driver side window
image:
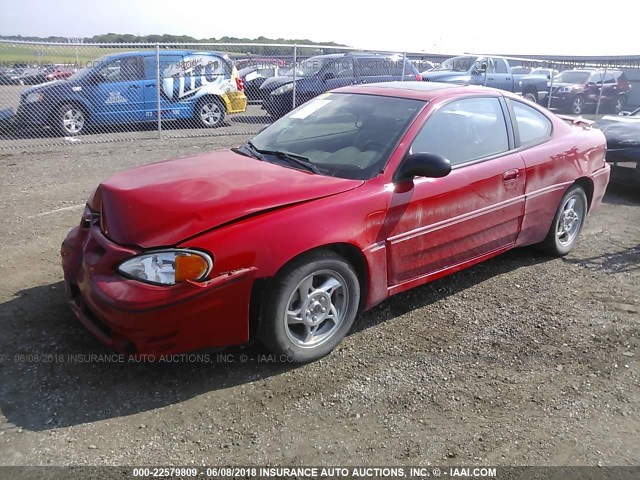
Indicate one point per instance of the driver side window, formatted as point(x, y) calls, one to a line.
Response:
point(122, 70)
point(464, 130)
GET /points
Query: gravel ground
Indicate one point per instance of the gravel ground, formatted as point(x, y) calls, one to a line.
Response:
point(522, 360)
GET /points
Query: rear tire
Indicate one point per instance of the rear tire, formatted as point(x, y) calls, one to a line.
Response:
point(210, 113)
point(567, 222)
point(621, 101)
point(310, 307)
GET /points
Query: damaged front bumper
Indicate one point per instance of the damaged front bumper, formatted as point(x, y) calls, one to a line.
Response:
point(133, 317)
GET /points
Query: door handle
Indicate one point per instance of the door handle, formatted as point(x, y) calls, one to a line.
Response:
point(510, 175)
point(134, 87)
point(490, 78)
point(149, 85)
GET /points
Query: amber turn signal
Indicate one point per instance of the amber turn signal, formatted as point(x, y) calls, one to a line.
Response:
point(190, 267)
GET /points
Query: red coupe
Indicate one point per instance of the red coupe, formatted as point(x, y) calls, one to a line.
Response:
point(357, 195)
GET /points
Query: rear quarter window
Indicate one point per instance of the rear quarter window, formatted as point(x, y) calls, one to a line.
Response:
point(533, 127)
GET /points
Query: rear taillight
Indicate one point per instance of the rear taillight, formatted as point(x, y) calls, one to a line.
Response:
point(240, 84)
point(418, 77)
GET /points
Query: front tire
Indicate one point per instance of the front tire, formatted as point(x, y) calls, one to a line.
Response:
point(210, 113)
point(567, 222)
point(71, 120)
point(577, 107)
point(310, 307)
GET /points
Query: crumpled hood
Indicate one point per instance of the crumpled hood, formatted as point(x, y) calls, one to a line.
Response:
point(163, 203)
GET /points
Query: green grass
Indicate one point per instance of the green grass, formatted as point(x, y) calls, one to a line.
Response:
point(15, 53)
point(12, 53)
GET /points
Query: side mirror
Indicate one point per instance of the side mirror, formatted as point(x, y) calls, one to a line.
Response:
point(427, 165)
point(482, 68)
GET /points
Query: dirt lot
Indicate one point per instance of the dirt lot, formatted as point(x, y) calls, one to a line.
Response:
point(522, 360)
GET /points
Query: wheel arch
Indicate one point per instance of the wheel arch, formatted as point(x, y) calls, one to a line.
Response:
point(261, 286)
point(70, 101)
point(220, 98)
point(530, 89)
point(587, 185)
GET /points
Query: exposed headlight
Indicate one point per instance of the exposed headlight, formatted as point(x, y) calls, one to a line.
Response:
point(35, 97)
point(168, 267)
point(287, 87)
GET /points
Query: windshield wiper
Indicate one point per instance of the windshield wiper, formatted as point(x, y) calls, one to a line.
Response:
point(249, 150)
point(292, 158)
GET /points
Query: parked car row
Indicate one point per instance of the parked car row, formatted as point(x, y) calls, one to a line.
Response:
point(316, 75)
point(578, 90)
point(206, 86)
point(493, 72)
point(574, 91)
point(34, 75)
point(271, 84)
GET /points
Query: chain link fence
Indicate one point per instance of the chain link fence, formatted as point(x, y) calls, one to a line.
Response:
point(54, 93)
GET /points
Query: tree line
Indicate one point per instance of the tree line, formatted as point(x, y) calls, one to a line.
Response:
point(178, 40)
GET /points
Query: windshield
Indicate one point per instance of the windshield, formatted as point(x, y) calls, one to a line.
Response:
point(82, 73)
point(341, 134)
point(457, 64)
point(572, 77)
point(92, 65)
point(308, 67)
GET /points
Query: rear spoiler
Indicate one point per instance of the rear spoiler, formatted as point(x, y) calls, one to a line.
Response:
point(577, 121)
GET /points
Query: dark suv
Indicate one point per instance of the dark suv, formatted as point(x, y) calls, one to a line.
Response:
point(577, 90)
point(322, 73)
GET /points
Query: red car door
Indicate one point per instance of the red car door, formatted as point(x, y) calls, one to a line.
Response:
point(474, 211)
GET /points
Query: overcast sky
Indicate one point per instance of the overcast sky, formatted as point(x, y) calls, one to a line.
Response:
point(546, 28)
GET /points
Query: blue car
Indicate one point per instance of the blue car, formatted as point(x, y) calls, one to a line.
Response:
point(122, 88)
point(322, 73)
